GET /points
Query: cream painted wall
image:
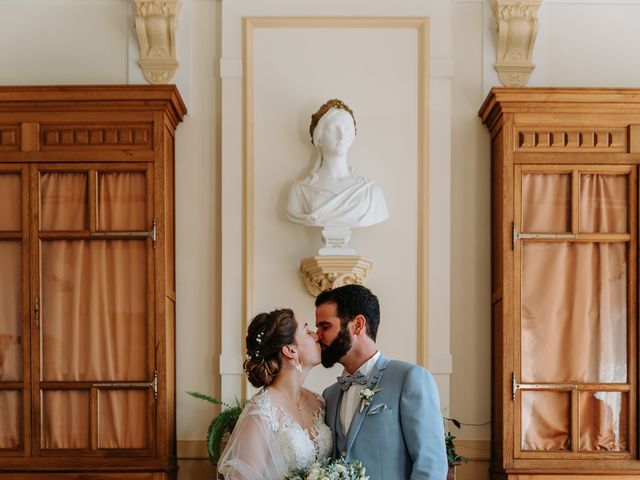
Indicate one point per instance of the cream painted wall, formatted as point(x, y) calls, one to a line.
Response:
point(581, 42)
point(63, 41)
point(198, 238)
point(470, 244)
point(289, 87)
point(398, 310)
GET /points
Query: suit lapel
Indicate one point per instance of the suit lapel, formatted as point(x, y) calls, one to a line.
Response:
point(358, 417)
point(334, 420)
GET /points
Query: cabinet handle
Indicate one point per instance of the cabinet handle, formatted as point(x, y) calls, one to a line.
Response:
point(537, 386)
point(36, 312)
point(152, 384)
point(153, 234)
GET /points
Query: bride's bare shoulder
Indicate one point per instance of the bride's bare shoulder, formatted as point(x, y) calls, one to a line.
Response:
point(313, 398)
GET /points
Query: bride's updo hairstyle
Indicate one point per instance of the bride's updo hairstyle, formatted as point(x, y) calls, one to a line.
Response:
point(267, 334)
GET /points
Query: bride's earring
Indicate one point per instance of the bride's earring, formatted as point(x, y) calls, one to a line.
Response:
point(297, 365)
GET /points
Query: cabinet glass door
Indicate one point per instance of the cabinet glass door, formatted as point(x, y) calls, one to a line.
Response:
point(574, 384)
point(14, 311)
point(96, 353)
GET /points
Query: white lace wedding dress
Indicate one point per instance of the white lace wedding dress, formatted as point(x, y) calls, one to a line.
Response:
point(266, 443)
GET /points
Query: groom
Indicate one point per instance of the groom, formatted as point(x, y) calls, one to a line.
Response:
point(385, 413)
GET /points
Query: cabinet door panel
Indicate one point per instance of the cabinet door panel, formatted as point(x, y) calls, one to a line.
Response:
point(10, 201)
point(603, 203)
point(574, 312)
point(95, 279)
point(94, 310)
point(66, 419)
point(546, 202)
point(603, 421)
point(546, 421)
point(14, 311)
point(122, 418)
point(122, 201)
point(11, 341)
point(10, 419)
point(64, 198)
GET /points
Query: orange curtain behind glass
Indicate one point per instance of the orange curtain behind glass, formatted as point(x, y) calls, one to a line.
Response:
point(122, 201)
point(94, 311)
point(10, 201)
point(603, 203)
point(546, 202)
point(11, 340)
point(63, 201)
point(10, 311)
point(10, 418)
point(603, 421)
point(574, 308)
point(574, 312)
point(65, 420)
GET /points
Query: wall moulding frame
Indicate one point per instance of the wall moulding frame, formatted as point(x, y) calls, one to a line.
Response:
point(421, 25)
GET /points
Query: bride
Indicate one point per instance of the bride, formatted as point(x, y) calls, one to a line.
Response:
point(282, 427)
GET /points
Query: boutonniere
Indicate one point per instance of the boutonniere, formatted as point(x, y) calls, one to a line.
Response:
point(367, 395)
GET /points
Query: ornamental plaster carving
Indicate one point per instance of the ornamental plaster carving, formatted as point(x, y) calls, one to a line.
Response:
point(324, 272)
point(517, 26)
point(156, 24)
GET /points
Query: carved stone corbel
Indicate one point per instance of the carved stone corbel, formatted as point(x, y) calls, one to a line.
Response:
point(156, 24)
point(324, 272)
point(517, 25)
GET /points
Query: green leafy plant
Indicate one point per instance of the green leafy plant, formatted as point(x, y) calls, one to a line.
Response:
point(222, 424)
point(452, 456)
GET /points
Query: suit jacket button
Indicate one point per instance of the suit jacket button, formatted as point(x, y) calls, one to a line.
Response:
point(343, 454)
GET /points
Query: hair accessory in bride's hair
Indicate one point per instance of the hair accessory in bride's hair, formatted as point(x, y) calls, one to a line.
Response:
point(256, 352)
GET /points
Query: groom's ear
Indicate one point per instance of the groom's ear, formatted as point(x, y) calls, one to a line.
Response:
point(359, 325)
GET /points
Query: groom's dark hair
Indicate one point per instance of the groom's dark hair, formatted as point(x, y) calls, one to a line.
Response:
point(353, 300)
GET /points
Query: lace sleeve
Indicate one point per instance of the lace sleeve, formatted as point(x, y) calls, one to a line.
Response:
point(252, 452)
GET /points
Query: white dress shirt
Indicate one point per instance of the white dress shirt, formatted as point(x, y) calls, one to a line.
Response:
point(351, 398)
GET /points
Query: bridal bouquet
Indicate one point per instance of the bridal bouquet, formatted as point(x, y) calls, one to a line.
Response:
point(329, 469)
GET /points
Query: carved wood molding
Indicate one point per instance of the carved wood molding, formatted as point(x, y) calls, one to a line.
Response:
point(128, 136)
point(9, 137)
point(613, 139)
point(517, 26)
point(324, 272)
point(156, 24)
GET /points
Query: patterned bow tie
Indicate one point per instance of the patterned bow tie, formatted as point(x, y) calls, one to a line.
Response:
point(347, 380)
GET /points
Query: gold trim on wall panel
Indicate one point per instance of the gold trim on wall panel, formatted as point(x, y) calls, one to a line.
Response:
point(421, 24)
point(423, 194)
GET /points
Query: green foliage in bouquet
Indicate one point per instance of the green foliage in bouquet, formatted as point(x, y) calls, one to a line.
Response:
point(452, 456)
point(329, 469)
point(221, 425)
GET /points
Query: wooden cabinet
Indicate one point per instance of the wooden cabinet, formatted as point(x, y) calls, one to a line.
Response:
point(564, 282)
point(87, 283)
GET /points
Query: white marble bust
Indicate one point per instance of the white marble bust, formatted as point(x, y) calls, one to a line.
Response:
point(333, 194)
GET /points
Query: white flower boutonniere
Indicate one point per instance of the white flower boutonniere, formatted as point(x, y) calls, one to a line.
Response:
point(367, 395)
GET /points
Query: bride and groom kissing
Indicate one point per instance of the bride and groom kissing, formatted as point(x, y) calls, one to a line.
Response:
point(384, 413)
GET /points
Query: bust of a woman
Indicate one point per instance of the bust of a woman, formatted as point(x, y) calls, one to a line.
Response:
point(333, 194)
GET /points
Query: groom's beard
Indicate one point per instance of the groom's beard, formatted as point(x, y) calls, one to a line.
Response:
point(337, 349)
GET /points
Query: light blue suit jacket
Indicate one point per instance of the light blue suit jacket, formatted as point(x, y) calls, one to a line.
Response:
point(400, 434)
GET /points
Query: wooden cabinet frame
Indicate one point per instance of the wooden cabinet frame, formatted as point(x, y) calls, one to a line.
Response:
point(561, 130)
point(96, 129)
